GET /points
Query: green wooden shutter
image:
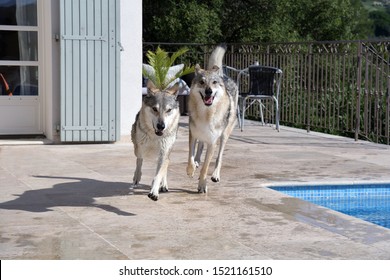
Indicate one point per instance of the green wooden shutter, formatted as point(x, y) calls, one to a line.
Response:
point(89, 70)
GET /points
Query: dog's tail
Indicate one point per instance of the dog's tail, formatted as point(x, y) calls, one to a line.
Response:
point(216, 57)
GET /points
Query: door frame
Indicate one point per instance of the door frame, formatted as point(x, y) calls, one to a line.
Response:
point(23, 126)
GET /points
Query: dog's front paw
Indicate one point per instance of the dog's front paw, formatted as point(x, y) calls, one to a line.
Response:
point(137, 178)
point(215, 177)
point(135, 181)
point(163, 185)
point(197, 163)
point(191, 167)
point(153, 196)
point(202, 186)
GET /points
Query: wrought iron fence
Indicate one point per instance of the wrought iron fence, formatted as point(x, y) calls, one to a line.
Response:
point(337, 87)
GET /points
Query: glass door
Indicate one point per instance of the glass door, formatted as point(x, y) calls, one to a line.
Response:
point(20, 108)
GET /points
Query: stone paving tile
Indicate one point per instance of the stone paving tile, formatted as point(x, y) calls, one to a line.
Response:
point(77, 201)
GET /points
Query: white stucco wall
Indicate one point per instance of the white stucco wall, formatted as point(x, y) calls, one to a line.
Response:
point(131, 63)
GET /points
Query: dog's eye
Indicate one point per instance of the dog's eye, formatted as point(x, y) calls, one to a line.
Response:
point(155, 109)
point(201, 82)
point(169, 110)
point(215, 82)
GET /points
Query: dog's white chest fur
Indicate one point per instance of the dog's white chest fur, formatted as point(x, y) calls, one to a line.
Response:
point(152, 145)
point(208, 126)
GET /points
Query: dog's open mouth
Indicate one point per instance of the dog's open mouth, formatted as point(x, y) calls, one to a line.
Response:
point(158, 132)
point(208, 100)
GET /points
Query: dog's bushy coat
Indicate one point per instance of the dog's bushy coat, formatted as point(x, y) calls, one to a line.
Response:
point(212, 107)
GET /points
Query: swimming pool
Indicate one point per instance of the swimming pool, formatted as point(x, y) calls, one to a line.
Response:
point(369, 202)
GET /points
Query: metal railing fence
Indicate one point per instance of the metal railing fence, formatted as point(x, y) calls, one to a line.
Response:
point(337, 87)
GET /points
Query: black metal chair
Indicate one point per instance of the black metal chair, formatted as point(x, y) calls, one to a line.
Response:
point(264, 83)
point(232, 73)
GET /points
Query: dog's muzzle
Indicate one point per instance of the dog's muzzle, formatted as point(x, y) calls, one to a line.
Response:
point(160, 129)
point(208, 98)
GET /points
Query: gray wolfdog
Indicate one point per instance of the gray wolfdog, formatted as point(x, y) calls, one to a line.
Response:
point(154, 133)
point(212, 108)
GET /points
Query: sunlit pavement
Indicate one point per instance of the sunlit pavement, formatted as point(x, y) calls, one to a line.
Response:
point(77, 201)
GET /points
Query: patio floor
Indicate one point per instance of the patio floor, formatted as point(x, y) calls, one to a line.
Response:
point(77, 201)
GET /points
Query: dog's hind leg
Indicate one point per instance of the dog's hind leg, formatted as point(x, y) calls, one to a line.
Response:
point(191, 166)
point(198, 155)
point(160, 178)
point(216, 177)
point(138, 171)
point(202, 185)
point(218, 164)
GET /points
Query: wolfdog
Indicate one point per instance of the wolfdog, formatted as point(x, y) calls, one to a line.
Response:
point(212, 109)
point(154, 133)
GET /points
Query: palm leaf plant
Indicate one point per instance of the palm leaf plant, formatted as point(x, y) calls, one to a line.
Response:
point(160, 69)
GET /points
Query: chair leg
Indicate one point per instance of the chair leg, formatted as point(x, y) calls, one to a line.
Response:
point(239, 115)
point(243, 113)
point(277, 114)
point(261, 112)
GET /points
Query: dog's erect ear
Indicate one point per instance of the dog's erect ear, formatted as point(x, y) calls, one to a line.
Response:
point(174, 90)
point(198, 70)
point(150, 85)
point(152, 88)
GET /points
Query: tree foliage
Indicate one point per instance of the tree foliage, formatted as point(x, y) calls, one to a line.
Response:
point(246, 21)
point(184, 21)
point(381, 21)
point(323, 20)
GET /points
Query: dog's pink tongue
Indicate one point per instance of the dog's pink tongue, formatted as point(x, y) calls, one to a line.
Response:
point(208, 100)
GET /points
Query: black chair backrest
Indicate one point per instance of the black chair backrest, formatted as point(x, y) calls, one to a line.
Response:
point(188, 78)
point(262, 80)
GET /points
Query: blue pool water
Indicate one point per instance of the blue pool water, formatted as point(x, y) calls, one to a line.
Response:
point(369, 202)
